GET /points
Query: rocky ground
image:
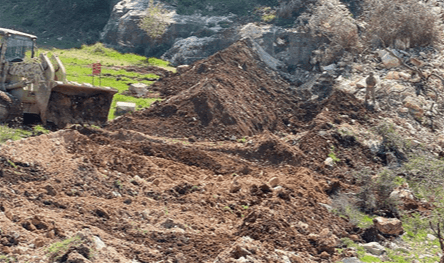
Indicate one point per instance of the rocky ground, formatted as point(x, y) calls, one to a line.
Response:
point(237, 164)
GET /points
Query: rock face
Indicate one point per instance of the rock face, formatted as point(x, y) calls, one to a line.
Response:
point(122, 31)
point(287, 46)
point(193, 37)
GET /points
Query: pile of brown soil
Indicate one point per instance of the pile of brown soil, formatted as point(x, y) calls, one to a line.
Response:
point(230, 95)
point(152, 199)
point(150, 194)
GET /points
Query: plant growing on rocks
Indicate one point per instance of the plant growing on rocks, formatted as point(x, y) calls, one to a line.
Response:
point(156, 20)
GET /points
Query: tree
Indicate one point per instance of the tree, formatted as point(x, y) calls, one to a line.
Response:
point(156, 20)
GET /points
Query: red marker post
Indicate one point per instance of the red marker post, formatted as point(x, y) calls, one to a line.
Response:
point(97, 69)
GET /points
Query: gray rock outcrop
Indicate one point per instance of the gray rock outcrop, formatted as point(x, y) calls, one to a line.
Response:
point(193, 37)
point(122, 31)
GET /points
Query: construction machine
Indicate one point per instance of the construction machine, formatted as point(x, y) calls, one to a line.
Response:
point(37, 86)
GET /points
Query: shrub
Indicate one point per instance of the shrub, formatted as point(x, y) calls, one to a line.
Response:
point(330, 19)
point(374, 194)
point(392, 141)
point(345, 206)
point(408, 21)
point(156, 20)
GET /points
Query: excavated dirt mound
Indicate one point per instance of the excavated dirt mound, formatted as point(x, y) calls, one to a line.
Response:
point(230, 95)
point(161, 185)
point(152, 199)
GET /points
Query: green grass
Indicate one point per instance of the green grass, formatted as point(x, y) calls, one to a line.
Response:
point(106, 56)
point(369, 258)
point(77, 62)
point(58, 249)
point(333, 156)
point(7, 133)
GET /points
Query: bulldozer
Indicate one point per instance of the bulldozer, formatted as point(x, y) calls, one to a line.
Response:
point(33, 86)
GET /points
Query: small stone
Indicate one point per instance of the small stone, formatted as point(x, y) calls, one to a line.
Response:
point(116, 194)
point(168, 224)
point(329, 162)
point(357, 67)
point(156, 182)
point(324, 255)
point(51, 190)
point(274, 182)
point(374, 248)
point(393, 75)
point(431, 237)
point(39, 242)
point(138, 89)
point(98, 243)
point(416, 62)
point(312, 237)
point(388, 60)
point(404, 75)
point(328, 207)
point(234, 186)
point(389, 226)
point(302, 226)
point(75, 257)
point(51, 234)
point(124, 107)
point(330, 67)
point(361, 84)
point(182, 68)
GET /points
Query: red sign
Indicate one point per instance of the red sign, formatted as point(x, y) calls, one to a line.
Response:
point(97, 68)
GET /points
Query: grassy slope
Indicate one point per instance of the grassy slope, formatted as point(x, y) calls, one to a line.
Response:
point(78, 67)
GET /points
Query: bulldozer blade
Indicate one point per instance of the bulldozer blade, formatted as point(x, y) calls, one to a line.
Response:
point(74, 104)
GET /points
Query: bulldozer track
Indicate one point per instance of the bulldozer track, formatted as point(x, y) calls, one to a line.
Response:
point(10, 107)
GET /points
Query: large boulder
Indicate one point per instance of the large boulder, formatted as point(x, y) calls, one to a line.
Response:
point(288, 46)
point(123, 33)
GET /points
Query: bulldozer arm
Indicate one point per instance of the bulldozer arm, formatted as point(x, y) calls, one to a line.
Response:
point(69, 104)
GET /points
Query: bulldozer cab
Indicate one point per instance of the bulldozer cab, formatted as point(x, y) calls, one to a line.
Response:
point(15, 45)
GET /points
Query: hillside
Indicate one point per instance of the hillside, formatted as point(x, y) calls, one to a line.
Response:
point(63, 24)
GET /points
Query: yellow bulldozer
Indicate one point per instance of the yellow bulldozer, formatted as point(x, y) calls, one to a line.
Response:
point(37, 86)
